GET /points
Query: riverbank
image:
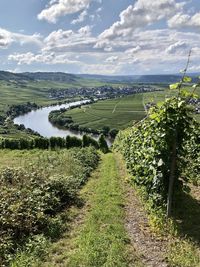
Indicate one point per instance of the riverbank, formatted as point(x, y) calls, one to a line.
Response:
point(107, 116)
point(38, 121)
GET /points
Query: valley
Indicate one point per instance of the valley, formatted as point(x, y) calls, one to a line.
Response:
point(67, 199)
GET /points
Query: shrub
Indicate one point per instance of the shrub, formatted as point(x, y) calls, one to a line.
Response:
point(30, 202)
point(103, 144)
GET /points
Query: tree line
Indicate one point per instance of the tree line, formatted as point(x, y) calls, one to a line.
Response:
point(54, 142)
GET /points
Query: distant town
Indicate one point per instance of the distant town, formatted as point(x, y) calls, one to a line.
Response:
point(102, 92)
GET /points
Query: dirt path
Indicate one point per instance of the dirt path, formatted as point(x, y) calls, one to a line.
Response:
point(114, 109)
point(151, 249)
point(111, 215)
point(96, 236)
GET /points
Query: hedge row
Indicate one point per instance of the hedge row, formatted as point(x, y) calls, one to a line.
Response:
point(52, 143)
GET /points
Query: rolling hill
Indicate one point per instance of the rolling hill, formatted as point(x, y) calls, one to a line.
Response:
point(74, 78)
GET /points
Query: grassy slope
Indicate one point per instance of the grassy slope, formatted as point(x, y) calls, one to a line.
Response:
point(49, 162)
point(100, 238)
point(116, 113)
point(37, 91)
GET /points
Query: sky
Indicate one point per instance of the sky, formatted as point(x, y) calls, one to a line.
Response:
point(110, 37)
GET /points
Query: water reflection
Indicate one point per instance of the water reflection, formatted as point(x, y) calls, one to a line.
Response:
point(38, 121)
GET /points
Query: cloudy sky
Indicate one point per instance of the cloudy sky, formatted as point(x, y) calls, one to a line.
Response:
point(99, 36)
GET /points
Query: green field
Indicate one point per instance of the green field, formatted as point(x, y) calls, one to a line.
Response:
point(160, 96)
point(13, 92)
point(116, 113)
point(51, 162)
point(18, 93)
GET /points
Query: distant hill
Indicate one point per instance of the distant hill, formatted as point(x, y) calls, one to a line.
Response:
point(39, 76)
point(157, 78)
point(74, 78)
point(52, 76)
point(9, 76)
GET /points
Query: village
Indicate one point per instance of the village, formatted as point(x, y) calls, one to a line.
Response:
point(101, 92)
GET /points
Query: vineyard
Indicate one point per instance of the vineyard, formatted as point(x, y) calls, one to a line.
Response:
point(75, 202)
point(116, 113)
point(162, 155)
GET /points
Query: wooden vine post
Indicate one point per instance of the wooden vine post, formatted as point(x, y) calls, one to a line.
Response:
point(172, 176)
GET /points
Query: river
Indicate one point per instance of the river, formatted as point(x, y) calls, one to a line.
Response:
point(38, 121)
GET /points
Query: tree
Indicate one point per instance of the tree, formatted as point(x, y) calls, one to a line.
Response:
point(105, 130)
point(103, 144)
point(113, 133)
point(89, 141)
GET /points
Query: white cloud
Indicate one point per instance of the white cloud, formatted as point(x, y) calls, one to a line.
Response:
point(46, 58)
point(141, 14)
point(69, 40)
point(134, 50)
point(147, 51)
point(7, 38)
point(29, 58)
point(80, 18)
point(194, 68)
point(60, 8)
point(112, 59)
point(176, 47)
point(182, 20)
point(100, 69)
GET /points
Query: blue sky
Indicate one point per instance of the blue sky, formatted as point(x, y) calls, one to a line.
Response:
point(99, 36)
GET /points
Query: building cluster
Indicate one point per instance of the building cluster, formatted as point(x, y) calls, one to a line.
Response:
point(98, 92)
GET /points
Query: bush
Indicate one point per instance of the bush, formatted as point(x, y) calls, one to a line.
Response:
point(103, 144)
point(89, 141)
point(30, 202)
point(113, 133)
point(35, 248)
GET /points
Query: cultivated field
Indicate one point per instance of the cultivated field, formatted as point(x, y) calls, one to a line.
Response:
point(14, 92)
point(116, 113)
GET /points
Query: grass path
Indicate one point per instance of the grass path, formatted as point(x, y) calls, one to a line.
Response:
point(99, 238)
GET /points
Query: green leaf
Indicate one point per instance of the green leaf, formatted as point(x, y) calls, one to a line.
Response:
point(174, 86)
point(187, 79)
point(180, 103)
point(159, 104)
point(185, 93)
point(153, 116)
